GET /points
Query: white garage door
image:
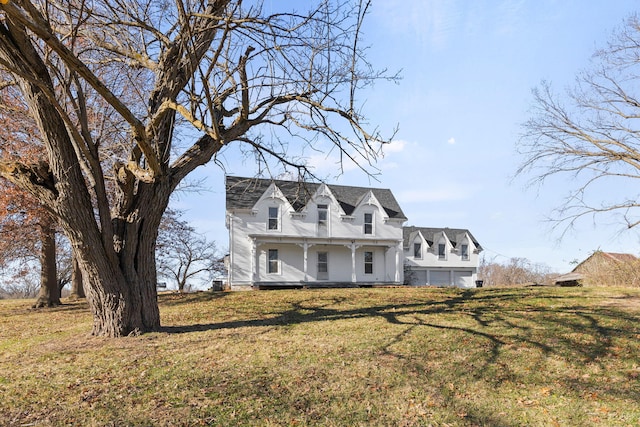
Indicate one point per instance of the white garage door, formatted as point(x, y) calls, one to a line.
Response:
point(439, 278)
point(418, 277)
point(463, 279)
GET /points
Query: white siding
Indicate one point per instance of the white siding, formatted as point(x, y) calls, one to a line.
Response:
point(440, 278)
point(418, 278)
point(463, 279)
point(250, 239)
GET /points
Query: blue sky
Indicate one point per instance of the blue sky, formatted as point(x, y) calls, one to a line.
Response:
point(468, 68)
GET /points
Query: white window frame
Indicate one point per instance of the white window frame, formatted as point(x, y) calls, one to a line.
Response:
point(417, 250)
point(442, 254)
point(323, 208)
point(464, 252)
point(322, 223)
point(370, 224)
point(323, 275)
point(276, 219)
point(273, 265)
point(368, 263)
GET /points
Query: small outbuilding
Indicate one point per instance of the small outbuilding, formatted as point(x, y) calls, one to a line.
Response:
point(604, 268)
point(569, 279)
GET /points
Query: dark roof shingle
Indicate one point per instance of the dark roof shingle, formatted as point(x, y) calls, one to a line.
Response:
point(243, 193)
point(429, 232)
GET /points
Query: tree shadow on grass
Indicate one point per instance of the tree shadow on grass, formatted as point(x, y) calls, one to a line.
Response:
point(554, 325)
point(182, 298)
point(65, 306)
point(487, 309)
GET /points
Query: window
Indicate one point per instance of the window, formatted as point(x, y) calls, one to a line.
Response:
point(368, 223)
point(323, 265)
point(273, 218)
point(322, 219)
point(322, 214)
point(368, 262)
point(417, 250)
point(273, 264)
point(441, 251)
point(464, 252)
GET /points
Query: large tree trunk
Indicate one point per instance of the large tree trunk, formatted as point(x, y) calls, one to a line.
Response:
point(121, 285)
point(77, 288)
point(122, 299)
point(49, 295)
point(115, 255)
point(107, 194)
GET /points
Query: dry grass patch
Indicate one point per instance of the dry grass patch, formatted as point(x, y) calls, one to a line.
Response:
point(392, 357)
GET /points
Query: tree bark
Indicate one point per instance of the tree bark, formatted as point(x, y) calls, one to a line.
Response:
point(77, 288)
point(49, 295)
point(121, 286)
point(108, 194)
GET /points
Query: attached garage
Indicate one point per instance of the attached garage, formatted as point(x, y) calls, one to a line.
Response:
point(418, 277)
point(440, 278)
point(463, 279)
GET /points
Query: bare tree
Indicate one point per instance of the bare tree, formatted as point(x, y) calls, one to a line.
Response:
point(29, 234)
point(174, 83)
point(516, 271)
point(28, 230)
point(19, 280)
point(184, 256)
point(49, 295)
point(590, 137)
point(38, 268)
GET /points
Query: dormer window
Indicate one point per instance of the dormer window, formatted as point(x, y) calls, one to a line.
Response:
point(464, 252)
point(368, 223)
point(322, 215)
point(273, 218)
point(441, 251)
point(417, 250)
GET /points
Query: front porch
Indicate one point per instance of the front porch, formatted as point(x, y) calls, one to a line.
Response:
point(343, 262)
point(321, 285)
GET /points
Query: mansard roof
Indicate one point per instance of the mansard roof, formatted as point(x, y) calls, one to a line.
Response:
point(243, 193)
point(430, 233)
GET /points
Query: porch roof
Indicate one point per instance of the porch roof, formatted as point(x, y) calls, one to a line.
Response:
point(341, 241)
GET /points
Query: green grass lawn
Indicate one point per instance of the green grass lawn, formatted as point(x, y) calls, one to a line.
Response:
point(336, 357)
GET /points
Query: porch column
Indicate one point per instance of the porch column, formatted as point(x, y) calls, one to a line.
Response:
point(305, 248)
point(254, 261)
point(354, 277)
point(384, 263)
point(399, 266)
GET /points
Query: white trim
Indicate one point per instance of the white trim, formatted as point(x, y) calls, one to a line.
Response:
point(277, 260)
point(365, 223)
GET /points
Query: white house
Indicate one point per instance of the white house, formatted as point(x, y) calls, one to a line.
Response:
point(293, 234)
point(302, 234)
point(441, 257)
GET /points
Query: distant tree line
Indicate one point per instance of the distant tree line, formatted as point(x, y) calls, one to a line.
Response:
point(515, 271)
point(185, 259)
